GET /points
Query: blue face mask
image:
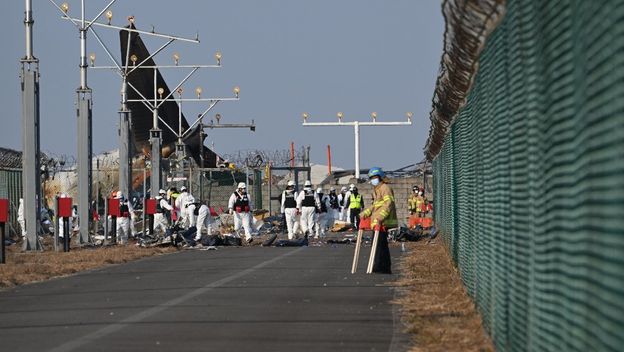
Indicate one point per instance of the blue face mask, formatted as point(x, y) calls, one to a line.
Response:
point(375, 181)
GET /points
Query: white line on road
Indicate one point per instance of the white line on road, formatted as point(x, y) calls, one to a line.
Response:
point(107, 330)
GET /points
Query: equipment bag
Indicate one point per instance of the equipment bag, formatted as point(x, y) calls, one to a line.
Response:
point(232, 241)
point(212, 240)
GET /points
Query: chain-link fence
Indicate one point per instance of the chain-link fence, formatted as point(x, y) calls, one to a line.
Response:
point(529, 183)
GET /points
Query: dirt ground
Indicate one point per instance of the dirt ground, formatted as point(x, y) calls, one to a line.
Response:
point(25, 267)
point(435, 307)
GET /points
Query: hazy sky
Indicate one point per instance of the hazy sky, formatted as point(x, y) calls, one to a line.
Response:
point(288, 57)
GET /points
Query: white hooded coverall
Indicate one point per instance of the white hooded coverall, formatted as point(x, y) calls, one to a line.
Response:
point(342, 202)
point(181, 202)
point(240, 207)
point(323, 218)
point(204, 221)
point(160, 221)
point(307, 202)
point(123, 221)
point(20, 217)
point(289, 209)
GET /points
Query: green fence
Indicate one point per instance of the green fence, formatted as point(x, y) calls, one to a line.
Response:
point(11, 189)
point(529, 185)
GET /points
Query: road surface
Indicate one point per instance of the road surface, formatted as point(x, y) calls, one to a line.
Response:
point(231, 299)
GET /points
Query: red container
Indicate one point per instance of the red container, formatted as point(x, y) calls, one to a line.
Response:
point(365, 223)
point(113, 207)
point(4, 210)
point(427, 222)
point(64, 209)
point(413, 221)
point(150, 206)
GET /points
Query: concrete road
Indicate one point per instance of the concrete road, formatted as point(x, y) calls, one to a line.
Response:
point(232, 299)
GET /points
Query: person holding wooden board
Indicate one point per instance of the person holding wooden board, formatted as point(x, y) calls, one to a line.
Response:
point(383, 217)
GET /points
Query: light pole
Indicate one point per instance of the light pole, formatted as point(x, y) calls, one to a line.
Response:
point(29, 76)
point(83, 103)
point(84, 106)
point(124, 69)
point(356, 130)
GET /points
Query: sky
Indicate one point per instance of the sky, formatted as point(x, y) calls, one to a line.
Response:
point(287, 56)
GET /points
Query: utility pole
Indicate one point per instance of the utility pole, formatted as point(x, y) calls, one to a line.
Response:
point(124, 69)
point(153, 103)
point(356, 130)
point(84, 109)
point(29, 76)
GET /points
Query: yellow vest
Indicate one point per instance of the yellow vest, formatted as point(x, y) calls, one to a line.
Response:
point(355, 202)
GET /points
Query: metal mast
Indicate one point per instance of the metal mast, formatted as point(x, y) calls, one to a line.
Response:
point(125, 116)
point(29, 76)
point(84, 99)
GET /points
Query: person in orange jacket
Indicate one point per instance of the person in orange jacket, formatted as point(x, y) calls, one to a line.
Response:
point(383, 217)
point(412, 202)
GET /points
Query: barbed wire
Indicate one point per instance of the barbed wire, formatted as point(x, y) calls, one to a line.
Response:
point(255, 158)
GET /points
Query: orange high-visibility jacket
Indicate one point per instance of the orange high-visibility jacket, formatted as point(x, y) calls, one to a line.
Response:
point(383, 209)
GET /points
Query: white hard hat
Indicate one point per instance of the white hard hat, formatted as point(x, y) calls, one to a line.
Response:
point(162, 191)
point(332, 189)
point(319, 190)
point(183, 189)
point(241, 185)
point(63, 195)
point(118, 195)
point(344, 188)
point(291, 183)
point(351, 187)
point(307, 183)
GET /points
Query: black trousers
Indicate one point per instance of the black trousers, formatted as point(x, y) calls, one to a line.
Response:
point(354, 217)
point(382, 263)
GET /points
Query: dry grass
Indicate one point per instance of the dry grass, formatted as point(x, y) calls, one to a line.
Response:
point(435, 306)
point(24, 267)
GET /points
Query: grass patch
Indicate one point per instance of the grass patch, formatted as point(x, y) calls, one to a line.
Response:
point(25, 267)
point(436, 310)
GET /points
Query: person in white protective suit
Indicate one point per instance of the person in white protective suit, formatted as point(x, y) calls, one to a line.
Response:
point(289, 209)
point(20, 218)
point(133, 233)
point(346, 210)
point(160, 221)
point(342, 202)
point(123, 220)
point(204, 221)
point(334, 207)
point(307, 203)
point(322, 213)
point(239, 206)
point(189, 218)
point(181, 203)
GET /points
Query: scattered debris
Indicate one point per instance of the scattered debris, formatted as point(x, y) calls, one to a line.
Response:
point(340, 226)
